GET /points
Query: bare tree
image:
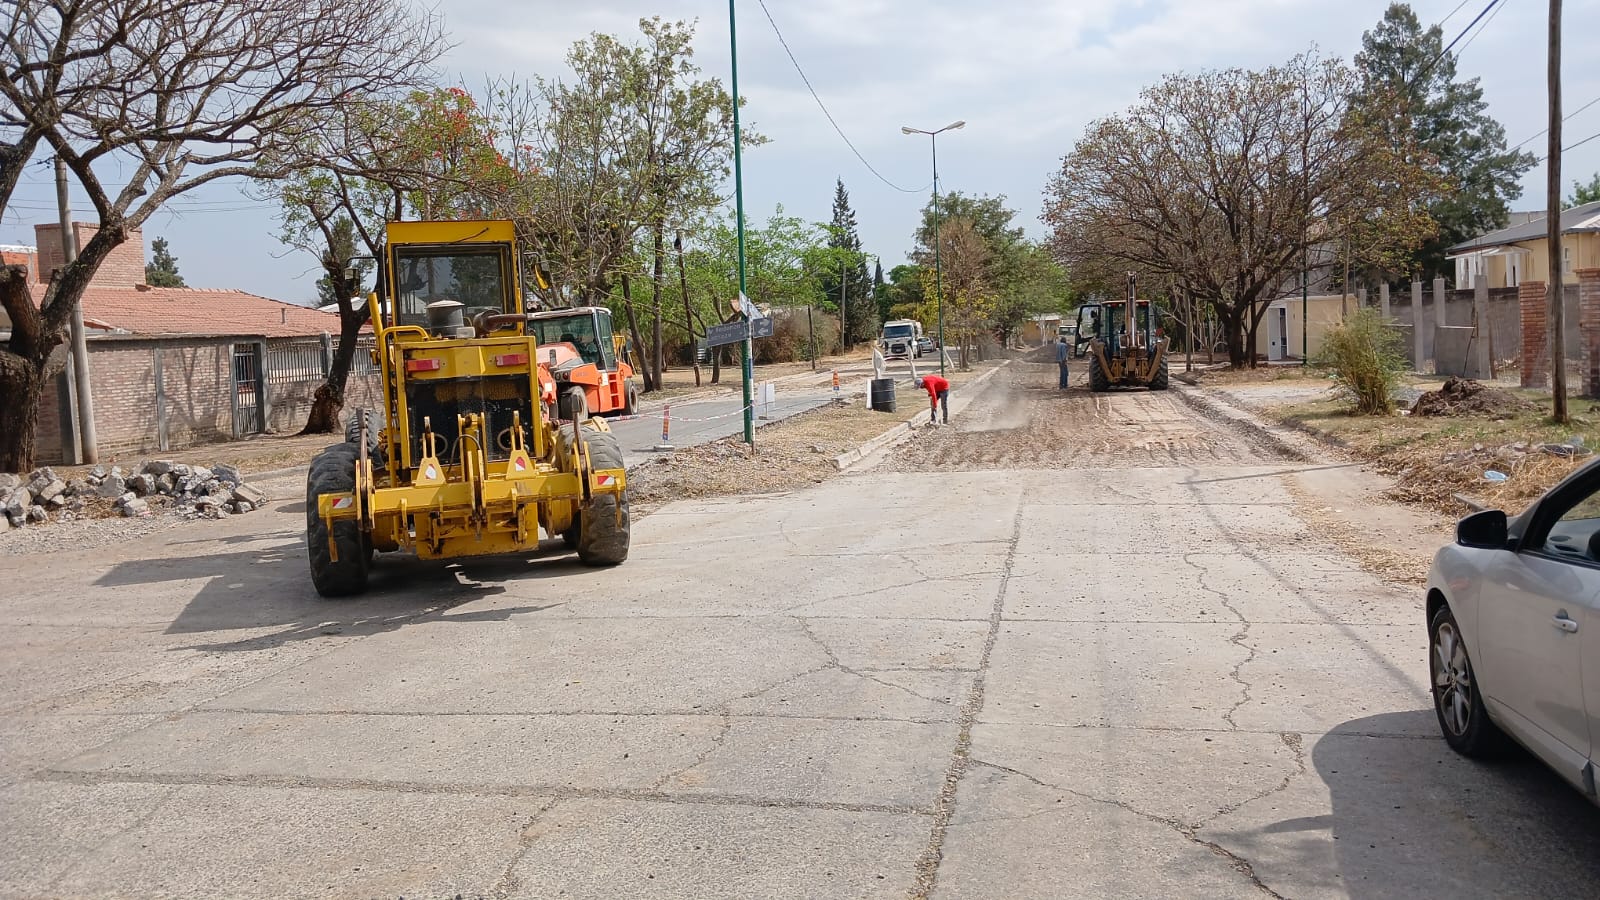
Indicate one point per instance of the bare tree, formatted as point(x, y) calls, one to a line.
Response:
point(172, 95)
point(430, 152)
point(969, 297)
point(1224, 179)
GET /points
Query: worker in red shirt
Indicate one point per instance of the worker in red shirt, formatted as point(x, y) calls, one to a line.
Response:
point(938, 394)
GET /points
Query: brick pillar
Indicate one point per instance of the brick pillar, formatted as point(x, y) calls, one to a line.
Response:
point(1589, 326)
point(1534, 304)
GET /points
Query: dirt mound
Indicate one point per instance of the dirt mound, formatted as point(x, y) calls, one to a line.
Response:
point(1465, 397)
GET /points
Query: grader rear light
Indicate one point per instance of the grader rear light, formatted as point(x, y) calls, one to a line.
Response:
point(424, 365)
point(511, 359)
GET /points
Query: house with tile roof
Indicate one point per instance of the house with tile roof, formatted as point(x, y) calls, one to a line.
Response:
point(1510, 256)
point(175, 367)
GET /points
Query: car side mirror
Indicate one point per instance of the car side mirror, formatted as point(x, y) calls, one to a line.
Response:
point(1486, 530)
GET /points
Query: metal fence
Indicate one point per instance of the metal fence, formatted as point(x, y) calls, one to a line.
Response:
point(309, 359)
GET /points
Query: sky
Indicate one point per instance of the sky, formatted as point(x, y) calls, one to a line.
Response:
point(1026, 76)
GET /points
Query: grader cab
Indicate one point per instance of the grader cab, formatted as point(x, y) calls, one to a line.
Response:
point(463, 458)
point(1125, 347)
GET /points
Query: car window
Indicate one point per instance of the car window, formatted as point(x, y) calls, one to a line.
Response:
point(1572, 535)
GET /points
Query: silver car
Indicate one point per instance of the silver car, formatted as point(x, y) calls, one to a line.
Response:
point(1513, 616)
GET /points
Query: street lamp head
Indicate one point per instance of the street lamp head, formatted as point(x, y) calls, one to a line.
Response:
point(907, 129)
point(954, 125)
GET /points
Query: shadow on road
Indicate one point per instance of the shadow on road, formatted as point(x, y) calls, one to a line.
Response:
point(1412, 818)
point(270, 588)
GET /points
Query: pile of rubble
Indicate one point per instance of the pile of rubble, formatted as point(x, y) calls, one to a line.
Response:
point(194, 491)
point(1465, 397)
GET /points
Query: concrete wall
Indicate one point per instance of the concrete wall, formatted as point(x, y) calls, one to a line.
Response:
point(1504, 325)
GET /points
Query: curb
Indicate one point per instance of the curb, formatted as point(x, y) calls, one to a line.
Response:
point(850, 458)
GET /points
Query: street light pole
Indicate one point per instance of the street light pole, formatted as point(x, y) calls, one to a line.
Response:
point(938, 269)
point(738, 206)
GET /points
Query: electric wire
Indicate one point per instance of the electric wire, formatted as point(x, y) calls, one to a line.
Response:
point(1481, 30)
point(1453, 12)
point(824, 108)
point(1423, 72)
point(1563, 118)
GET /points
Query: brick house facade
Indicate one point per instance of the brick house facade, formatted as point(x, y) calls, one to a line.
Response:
point(175, 367)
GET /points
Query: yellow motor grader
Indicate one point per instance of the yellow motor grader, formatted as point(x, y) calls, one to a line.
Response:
point(1126, 349)
point(465, 458)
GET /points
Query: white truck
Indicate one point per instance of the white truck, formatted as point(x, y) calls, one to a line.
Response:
point(901, 339)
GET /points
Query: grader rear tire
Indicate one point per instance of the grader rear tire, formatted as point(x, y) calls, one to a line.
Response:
point(573, 404)
point(603, 525)
point(333, 471)
point(1098, 382)
point(1161, 378)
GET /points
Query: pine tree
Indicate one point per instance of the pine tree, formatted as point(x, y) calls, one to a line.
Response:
point(1409, 79)
point(880, 292)
point(860, 312)
point(162, 269)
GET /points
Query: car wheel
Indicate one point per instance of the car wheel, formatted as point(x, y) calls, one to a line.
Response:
point(1456, 698)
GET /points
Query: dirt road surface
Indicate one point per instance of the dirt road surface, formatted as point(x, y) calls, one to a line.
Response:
point(1022, 420)
point(1025, 658)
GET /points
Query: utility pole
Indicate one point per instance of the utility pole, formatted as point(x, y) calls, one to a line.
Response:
point(1558, 328)
point(88, 447)
point(844, 318)
point(738, 207)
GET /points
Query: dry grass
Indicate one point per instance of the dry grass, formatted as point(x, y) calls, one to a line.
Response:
point(1259, 375)
point(1435, 457)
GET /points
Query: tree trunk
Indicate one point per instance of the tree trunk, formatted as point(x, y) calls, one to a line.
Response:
point(657, 364)
point(650, 384)
point(688, 312)
point(21, 374)
point(327, 404)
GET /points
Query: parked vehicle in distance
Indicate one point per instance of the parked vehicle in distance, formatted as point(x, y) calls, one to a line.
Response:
point(924, 345)
point(1513, 610)
point(900, 339)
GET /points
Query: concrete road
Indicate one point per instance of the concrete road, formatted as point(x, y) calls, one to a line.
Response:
point(1145, 676)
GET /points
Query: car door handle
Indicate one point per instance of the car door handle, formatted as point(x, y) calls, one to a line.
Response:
point(1564, 623)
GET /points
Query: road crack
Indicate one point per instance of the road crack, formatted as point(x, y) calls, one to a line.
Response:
point(944, 806)
point(1189, 832)
point(1239, 639)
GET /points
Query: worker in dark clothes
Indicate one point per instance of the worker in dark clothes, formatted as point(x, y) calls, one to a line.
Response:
point(1061, 359)
point(938, 395)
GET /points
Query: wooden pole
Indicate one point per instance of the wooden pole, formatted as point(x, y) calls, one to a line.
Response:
point(1558, 330)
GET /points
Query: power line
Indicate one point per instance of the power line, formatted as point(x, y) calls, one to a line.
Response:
point(1480, 31)
point(1572, 146)
point(1563, 118)
point(1457, 39)
point(824, 107)
point(1453, 12)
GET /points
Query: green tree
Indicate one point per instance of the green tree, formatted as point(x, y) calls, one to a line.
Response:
point(162, 269)
point(1409, 84)
point(880, 292)
point(427, 155)
point(1585, 193)
point(846, 278)
point(990, 219)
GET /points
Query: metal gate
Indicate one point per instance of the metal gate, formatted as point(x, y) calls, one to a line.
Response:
point(248, 412)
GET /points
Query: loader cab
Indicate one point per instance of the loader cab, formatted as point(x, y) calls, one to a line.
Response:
point(586, 328)
point(1108, 323)
point(434, 262)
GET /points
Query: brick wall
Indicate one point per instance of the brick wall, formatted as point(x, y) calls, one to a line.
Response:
point(1589, 326)
point(19, 258)
point(122, 267)
point(197, 385)
point(1532, 300)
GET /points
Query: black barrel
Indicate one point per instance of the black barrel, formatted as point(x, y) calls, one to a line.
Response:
point(881, 395)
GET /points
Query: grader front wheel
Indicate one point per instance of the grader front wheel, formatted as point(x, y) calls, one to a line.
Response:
point(333, 471)
point(602, 523)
